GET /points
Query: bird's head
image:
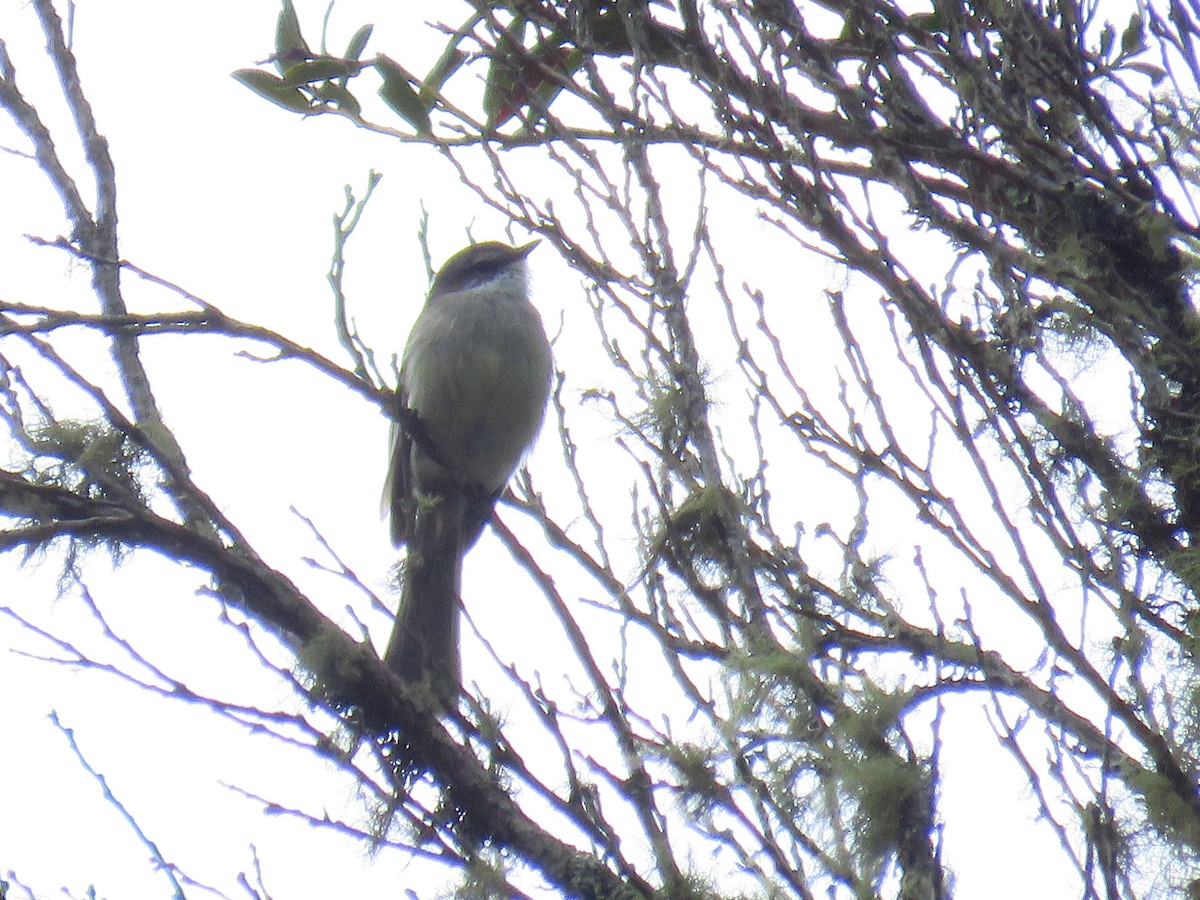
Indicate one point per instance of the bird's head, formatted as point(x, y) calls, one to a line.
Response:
point(481, 264)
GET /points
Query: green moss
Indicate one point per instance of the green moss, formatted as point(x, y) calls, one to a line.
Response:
point(1171, 816)
point(92, 459)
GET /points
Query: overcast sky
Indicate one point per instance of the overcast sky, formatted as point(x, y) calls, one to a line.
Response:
point(232, 198)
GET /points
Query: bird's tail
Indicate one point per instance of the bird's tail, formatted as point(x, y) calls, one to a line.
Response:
point(424, 643)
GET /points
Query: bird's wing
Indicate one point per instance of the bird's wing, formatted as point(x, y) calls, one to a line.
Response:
point(398, 500)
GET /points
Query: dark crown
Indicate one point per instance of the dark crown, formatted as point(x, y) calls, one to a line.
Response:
point(476, 265)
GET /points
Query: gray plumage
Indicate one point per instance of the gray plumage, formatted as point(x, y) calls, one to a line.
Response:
point(476, 376)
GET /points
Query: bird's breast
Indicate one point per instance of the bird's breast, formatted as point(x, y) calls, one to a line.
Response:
point(477, 373)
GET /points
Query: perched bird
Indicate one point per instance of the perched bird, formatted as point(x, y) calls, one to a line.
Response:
point(474, 381)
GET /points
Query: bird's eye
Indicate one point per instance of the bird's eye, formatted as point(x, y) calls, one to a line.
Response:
point(485, 272)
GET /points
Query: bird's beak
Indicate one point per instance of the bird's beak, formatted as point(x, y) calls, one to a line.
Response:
point(525, 249)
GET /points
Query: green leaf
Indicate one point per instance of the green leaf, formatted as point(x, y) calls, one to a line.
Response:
point(1133, 39)
point(446, 65)
point(930, 23)
point(509, 89)
point(359, 42)
point(274, 89)
point(1108, 35)
point(290, 46)
point(335, 93)
point(1155, 73)
point(498, 102)
point(319, 70)
point(502, 93)
point(567, 62)
point(397, 92)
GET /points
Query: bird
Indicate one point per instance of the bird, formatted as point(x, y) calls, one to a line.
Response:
point(474, 382)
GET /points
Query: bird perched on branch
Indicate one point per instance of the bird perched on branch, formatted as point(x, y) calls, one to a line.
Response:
point(474, 381)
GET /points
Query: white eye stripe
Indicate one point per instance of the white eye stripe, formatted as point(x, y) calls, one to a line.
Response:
point(489, 263)
point(499, 276)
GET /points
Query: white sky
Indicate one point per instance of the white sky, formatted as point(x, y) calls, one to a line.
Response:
point(232, 198)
